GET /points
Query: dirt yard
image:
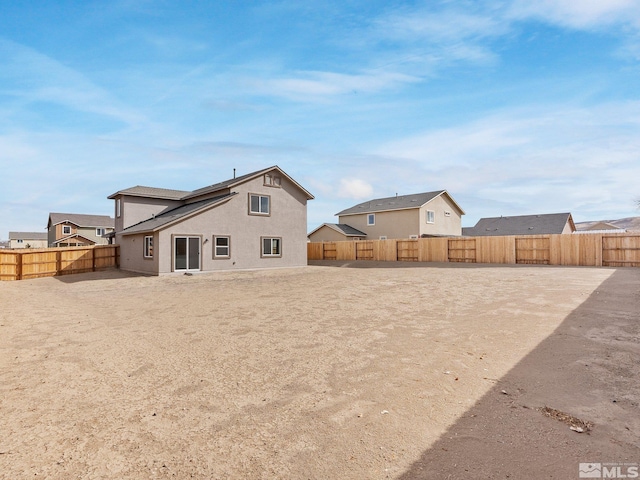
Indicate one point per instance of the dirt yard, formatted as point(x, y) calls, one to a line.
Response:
point(397, 371)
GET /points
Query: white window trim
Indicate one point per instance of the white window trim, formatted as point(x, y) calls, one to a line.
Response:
point(148, 246)
point(371, 216)
point(270, 255)
point(260, 197)
point(118, 207)
point(433, 216)
point(64, 227)
point(227, 246)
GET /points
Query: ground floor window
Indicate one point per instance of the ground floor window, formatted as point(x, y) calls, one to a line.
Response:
point(271, 247)
point(148, 247)
point(221, 246)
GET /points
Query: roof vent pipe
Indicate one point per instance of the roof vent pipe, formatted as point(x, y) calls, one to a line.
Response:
point(234, 173)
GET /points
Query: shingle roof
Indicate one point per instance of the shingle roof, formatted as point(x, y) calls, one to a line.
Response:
point(169, 216)
point(343, 228)
point(151, 192)
point(82, 220)
point(553, 223)
point(28, 235)
point(400, 202)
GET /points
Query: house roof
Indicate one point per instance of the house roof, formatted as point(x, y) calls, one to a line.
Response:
point(151, 192)
point(28, 235)
point(342, 228)
point(599, 226)
point(81, 220)
point(553, 223)
point(164, 193)
point(401, 202)
point(170, 216)
point(241, 179)
point(75, 235)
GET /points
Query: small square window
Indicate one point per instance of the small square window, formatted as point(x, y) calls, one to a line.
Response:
point(271, 247)
point(431, 216)
point(259, 204)
point(371, 219)
point(100, 232)
point(221, 247)
point(148, 247)
point(66, 229)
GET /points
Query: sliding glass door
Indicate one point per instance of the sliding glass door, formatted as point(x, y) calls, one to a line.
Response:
point(186, 253)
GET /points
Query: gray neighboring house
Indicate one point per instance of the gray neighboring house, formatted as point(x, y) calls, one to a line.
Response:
point(428, 214)
point(257, 220)
point(78, 230)
point(553, 223)
point(28, 240)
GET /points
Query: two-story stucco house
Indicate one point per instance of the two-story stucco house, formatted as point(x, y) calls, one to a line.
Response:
point(257, 220)
point(74, 230)
point(426, 214)
point(28, 240)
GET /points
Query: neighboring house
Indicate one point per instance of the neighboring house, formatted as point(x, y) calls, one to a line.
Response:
point(428, 214)
point(554, 223)
point(335, 232)
point(599, 227)
point(256, 220)
point(28, 240)
point(75, 230)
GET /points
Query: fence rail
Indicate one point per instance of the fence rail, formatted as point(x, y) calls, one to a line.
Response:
point(47, 262)
point(608, 250)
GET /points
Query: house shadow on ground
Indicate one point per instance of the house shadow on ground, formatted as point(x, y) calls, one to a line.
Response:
point(583, 376)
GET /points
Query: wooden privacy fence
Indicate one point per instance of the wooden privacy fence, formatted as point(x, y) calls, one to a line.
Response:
point(47, 262)
point(609, 250)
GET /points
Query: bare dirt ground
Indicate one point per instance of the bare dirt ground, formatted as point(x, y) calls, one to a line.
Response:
point(397, 371)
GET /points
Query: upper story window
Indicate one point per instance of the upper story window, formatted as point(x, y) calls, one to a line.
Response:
point(118, 207)
point(259, 204)
point(66, 229)
point(100, 232)
point(371, 219)
point(431, 216)
point(271, 180)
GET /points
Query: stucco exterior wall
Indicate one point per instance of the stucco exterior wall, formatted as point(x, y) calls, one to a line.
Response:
point(443, 224)
point(393, 224)
point(136, 209)
point(287, 220)
point(14, 243)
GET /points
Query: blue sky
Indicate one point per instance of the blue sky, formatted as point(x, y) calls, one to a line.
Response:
point(514, 107)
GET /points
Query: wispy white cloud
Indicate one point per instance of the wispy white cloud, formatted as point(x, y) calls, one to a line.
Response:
point(354, 188)
point(30, 76)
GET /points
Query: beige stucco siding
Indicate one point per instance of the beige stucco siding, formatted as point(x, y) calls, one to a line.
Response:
point(391, 224)
point(136, 209)
point(443, 224)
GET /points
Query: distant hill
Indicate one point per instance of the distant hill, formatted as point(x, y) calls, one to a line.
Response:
point(630, 223)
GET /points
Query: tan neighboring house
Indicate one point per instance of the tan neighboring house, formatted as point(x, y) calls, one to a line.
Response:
point(544, 224)
point(599, 227)
point(429, 214)
point(78, 230)
point(28, 240)
point(257, 220)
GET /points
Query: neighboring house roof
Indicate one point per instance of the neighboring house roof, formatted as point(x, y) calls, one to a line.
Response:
point(151, 192)
point(401, 202)
point(553, 223)
point(599, 226)
point(28, 235)
point(75, 235)
point(168, 217)
point(81, 220)
point(342, 228)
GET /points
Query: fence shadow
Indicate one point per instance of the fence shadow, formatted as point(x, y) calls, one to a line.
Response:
point(112, 273)
point(586, 373)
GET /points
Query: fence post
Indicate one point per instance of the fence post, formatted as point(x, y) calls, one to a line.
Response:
point(18, 266)
point(93, 259)
point(58, 262)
